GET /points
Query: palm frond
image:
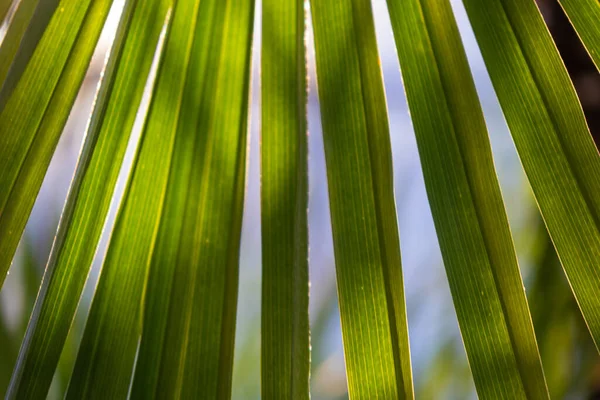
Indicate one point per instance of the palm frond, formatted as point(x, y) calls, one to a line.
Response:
point(163, 315)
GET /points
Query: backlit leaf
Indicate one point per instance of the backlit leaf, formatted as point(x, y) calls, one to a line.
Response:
point(285, 360)
point(551, 136)
point(466, 202)
point(363, 215)
point(89, 199)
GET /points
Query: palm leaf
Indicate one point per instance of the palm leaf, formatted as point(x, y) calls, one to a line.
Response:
point(33, 114)
point(89, 199)
point(363, 216)
point(162, 321)
point(285, 360)
point(551, 136)
point(197, 351)
point(466, 202)
point(584, 15)
point(104, 365)
point(191, 297)
point(22, 36)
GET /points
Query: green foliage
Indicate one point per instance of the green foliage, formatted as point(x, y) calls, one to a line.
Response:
point(89, 199)
point(163, 315)
point(285, 339)
point(34, 106)
point(191, 294)
point(363, 215)
point(551, 135)
point(584, 15)
point(466, 202)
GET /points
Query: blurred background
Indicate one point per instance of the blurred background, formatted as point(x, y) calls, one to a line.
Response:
point(440, 368)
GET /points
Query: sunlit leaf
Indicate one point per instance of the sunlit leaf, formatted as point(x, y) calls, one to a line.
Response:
point(363, 215)
point(24, 32)
point(162, 320)
point(285, 360)
point(34, 113)
point(551, 136)
point(191, 297)
point(106, 355)
point(466, 202)
point(81, 224)
point(585, 17)
point(186, 103)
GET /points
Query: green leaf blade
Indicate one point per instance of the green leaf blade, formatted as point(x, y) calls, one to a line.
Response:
point(22, 36)
point(34, 114)
point(359, 171)
point(285, 353)
point(466, 202)
point(584, 15)
point(107, 352)
point(189, 322)
point(197, 358)
point(89, 199)
point(551, 135)
point(164, 258)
